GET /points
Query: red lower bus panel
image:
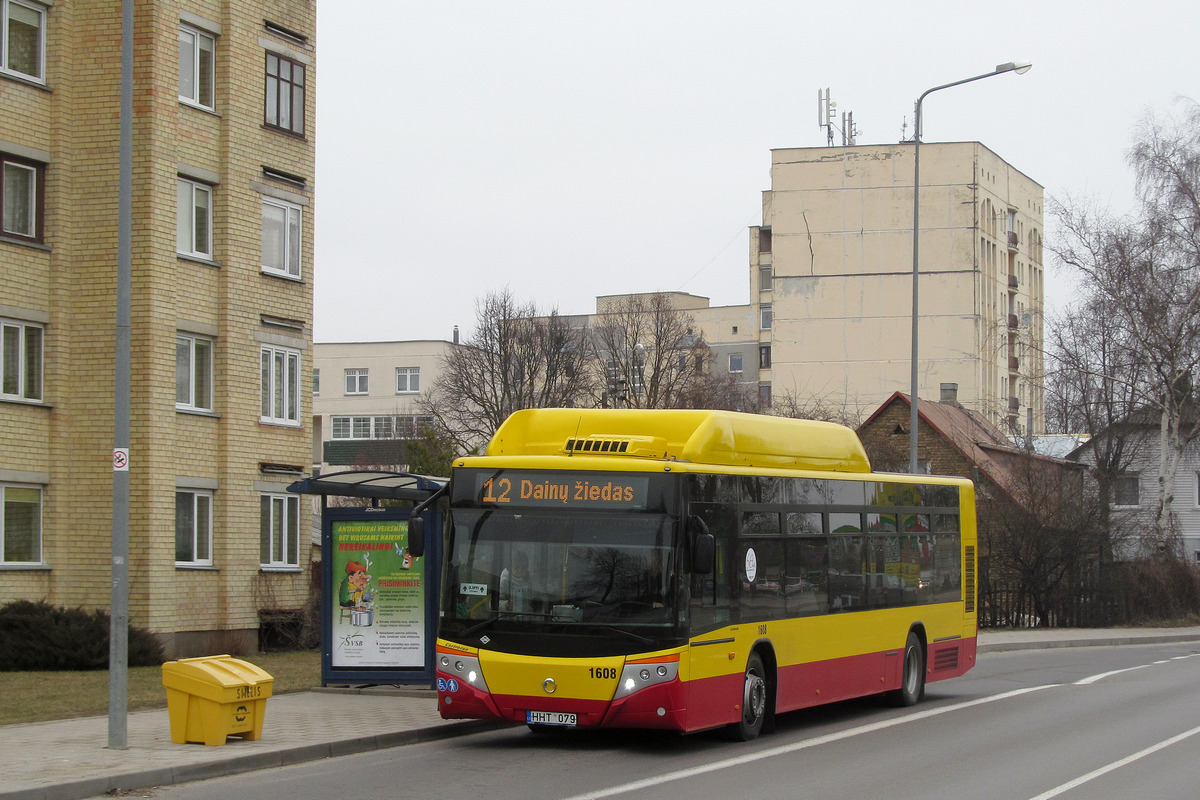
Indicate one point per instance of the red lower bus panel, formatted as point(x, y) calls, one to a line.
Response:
point(713, 702)
point(662, 707)
point(466, 703)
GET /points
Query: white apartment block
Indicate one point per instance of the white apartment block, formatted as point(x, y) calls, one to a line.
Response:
point(831, 278)
point(365, 400)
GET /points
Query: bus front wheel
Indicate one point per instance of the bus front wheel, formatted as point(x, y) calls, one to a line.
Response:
point(754, 702)
point(912, 681)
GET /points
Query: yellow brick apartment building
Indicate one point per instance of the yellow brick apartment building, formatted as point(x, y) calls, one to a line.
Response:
point(223, 155)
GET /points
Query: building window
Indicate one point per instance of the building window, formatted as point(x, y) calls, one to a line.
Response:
point(20, 360)
point(356, 381)
point(285, 94)
point(279, 531)
point(764, 240)
point(408, 380)
point(1127, 490)
point(735, 362)
point(281, 233)
point(765, 316)
point(196, 50)
point(764, 395)
point(764, 356)
point(404, 426)
point(765, 274)
point(316, 381)
point(280, 386)
point(193, 373)
point(193, 528)
point(23, 39)
point(193, 219)
point(20, 524)
point(20, 198)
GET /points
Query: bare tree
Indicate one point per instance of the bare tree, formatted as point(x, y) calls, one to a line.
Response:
point(649, 354)
point(843, 410)
point(1091, 387)
point(1041, 542)
point(1143, 271)
point(518, 357)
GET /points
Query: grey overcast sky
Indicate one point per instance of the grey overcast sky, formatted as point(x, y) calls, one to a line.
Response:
point(568, 149)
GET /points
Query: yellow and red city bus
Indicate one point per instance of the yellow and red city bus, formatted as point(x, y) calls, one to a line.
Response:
point(688, 570)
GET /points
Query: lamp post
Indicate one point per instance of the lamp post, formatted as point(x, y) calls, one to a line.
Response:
point(1020, 68)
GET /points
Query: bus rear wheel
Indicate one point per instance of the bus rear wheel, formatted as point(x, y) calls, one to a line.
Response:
point(754, 702)
point(912, 681)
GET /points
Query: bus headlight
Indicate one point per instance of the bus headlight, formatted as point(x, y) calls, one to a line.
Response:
point(635, 677)
point(469, 666)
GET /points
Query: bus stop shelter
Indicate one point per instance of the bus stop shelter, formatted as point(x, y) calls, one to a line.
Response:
point(378, 601)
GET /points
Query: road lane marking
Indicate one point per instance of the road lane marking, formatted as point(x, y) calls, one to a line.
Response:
point(1096, 773)
point(1094, 678)
point(804, 745)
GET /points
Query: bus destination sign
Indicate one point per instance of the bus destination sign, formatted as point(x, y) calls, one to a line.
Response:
point(561, 489)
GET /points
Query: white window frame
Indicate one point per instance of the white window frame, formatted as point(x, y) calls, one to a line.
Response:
point(408, 380)
point(279, 531)
point(1136, 477)
point(738, 367)
point(288, 236)
point(5, 22)
point(357, 381)
point(361, 427)
point(189, 401)
point(194, 95)
point(765, 317)
point(27, 376)
point(187, 240)
point(200, 534)
point(5, 489)
point(279, 396)
point(316, 380)
point(30, 199)
point(341, 428)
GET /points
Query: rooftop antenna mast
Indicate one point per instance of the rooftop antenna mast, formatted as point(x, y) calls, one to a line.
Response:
point(826, 116)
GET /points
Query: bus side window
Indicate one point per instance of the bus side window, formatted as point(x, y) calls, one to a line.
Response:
point(807, 584)
point(711, 597)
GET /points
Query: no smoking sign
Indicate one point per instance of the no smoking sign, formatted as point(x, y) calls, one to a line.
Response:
point(120, 459)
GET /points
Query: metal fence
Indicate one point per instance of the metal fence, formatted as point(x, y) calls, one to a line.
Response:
point(1086, 605)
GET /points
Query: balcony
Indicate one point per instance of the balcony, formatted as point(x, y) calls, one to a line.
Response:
point(1014, 405)
point(1012, 321)
point(1013, 241)
point(1012, 281)
point(1014, 364)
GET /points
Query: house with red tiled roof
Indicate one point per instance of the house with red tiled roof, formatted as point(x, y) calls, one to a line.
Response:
point(1036, 547)
point(953, 440)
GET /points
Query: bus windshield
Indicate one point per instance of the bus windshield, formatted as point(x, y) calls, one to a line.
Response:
point(595, 574)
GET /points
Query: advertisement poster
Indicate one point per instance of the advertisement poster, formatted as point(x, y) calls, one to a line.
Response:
point(378, 596)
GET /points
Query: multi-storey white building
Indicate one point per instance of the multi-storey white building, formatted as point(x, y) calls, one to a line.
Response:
point(365, 400)
point(831, 277)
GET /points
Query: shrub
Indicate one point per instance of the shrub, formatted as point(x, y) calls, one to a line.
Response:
point(39, 636)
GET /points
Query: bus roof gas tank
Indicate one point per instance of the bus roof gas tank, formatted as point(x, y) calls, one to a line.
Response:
point(725, 438)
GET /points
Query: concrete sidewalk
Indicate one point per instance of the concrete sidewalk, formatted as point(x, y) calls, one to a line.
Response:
point(69, 759)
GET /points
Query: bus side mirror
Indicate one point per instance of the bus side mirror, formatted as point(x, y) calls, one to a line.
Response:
point(704, 546)
point(416, 537)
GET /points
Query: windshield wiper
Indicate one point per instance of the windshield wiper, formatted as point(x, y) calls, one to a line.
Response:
point(478, 626)
point(630, 634)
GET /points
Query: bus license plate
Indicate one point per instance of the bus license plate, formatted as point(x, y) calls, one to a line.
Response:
point(550, 718)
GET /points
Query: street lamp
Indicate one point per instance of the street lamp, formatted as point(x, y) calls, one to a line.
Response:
point(1019, 67)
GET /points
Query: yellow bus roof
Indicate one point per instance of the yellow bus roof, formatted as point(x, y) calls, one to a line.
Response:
point(724, 438)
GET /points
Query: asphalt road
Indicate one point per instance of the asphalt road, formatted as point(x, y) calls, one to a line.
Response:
point(1094, 723)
